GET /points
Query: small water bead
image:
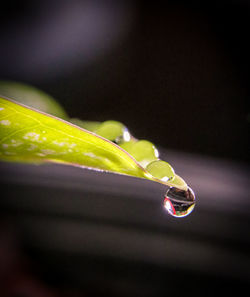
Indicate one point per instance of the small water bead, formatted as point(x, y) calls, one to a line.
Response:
point(143, 151)
point(127, 146)
point(177, 181)
point(161, 170)
point(113, 131)
point(179, 203)
point(124, 137)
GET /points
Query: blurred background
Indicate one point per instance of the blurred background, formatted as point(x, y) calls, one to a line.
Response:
point(176, 74)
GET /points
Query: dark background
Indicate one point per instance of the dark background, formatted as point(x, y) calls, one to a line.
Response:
point(175, 73)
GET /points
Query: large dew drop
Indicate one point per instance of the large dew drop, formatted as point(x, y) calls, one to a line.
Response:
point(179, 203)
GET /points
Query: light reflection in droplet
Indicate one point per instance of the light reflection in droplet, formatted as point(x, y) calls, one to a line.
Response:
point(124, 137)
point(179, 203)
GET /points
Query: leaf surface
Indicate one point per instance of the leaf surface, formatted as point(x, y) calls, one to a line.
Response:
point(31, 136)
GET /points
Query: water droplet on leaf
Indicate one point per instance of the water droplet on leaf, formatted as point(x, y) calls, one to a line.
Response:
point(161, 170)
point(144, 152)
point(113, 131)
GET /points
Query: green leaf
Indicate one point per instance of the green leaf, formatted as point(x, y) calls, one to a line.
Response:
point(31, 136)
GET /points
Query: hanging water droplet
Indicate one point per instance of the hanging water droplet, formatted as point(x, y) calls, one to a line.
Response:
point(179, 203)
